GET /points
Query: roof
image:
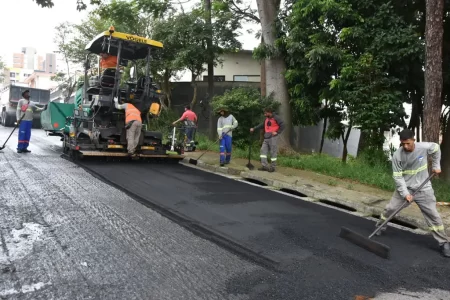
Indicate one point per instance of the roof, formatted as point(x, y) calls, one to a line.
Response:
point(134, 47)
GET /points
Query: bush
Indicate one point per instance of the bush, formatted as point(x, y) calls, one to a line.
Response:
point(163, 123)
point(246, 105)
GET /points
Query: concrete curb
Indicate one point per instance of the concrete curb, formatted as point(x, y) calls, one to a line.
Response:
point(368, 207)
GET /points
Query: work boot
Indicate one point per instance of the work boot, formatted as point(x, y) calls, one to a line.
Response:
point(19, 151)
point(445, 248)
point(263, 169)
point(271, 169)
point(26, 151)
point(380, 232)
point(222, 164)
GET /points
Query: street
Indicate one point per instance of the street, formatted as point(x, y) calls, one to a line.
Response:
point(118, 230)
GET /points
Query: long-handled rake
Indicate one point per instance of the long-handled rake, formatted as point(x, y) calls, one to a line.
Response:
point(15, 127)
point(371, 245)
point(195, 161)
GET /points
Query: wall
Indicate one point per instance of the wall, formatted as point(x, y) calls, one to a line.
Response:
point(239, 63)
point(307, 139)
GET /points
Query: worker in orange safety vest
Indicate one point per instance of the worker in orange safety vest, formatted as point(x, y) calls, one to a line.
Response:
point(273, 127)
point(133, 124)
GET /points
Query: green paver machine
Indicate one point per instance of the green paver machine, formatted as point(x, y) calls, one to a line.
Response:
point(92, 126)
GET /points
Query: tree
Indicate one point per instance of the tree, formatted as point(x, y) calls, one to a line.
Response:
point(81, 5)
point(347, 54)
point(275, 66)
point(245, 104)
point(434, 31)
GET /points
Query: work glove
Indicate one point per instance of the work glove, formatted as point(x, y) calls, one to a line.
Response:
point(116, 100)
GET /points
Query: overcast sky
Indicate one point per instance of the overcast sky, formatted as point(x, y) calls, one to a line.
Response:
point(25, 24)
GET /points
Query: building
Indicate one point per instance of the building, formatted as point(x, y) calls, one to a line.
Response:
point(41, 80)
point(18, 60)
point(239, 66)
point(16, 75)
point(40, 63)
point(25, 59)
point(50, 63)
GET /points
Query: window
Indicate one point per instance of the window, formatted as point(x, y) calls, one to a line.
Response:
point(251, 78)
point(12, 75)
point(240, 78)
point(219, 78)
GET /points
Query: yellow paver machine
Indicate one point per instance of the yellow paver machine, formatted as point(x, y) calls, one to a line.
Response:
point(92, 125)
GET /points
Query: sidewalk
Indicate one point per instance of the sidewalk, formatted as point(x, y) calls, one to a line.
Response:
point(364, 200)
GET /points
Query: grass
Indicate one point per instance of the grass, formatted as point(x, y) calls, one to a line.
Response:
point(365, 170)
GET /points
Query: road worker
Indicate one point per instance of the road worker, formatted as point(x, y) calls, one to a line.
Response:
point(225, 124)
point(107, 61)
point(273, 127)
point(410, 170)
point(190, 119)
point(25, 109)
point(133, 125)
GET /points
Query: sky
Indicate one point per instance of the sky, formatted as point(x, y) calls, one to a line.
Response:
point(25, 24)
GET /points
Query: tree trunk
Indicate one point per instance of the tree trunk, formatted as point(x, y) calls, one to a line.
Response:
point(345, 141)
point(434, 31)
point(275, 67)
point(263, 73)
point(209, 44)
point(194, 86)
point(324, 131)
point(445, 152)
point(166, 88)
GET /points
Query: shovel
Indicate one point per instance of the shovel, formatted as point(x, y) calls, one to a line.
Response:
point(371, 245)
point(17, 124)
point(249, 164)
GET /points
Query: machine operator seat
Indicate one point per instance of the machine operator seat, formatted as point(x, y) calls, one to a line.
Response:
point(107, 80)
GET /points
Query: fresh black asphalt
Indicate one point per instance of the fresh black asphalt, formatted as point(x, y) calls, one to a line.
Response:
point(299, 237)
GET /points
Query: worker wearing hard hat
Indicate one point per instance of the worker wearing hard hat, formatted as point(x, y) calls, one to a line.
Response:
point(133, 124)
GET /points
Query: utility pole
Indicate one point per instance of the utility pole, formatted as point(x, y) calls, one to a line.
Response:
point(209, 44)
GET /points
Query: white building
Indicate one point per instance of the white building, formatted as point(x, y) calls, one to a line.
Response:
point(41, 80)
point(237, 66)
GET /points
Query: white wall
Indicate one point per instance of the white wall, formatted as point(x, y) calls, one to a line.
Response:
point(233, 64)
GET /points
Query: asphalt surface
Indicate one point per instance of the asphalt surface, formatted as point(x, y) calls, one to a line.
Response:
point(301, 236)
point(87, 240)
point(66, 235)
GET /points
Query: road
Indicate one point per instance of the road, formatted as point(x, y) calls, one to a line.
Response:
point(70, 234)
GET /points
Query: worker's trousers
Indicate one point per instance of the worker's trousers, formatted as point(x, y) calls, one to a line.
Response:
point(133, 135)
point(427, 204)
point(269, 145)
point(225, 148)
point(24, 134)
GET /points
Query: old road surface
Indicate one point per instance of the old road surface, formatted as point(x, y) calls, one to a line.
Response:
point(116, 230)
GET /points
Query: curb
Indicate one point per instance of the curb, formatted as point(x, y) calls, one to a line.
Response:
point(309, 193)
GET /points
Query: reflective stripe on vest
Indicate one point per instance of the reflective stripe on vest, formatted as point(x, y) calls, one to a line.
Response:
point(132, 114)
point(270, 125)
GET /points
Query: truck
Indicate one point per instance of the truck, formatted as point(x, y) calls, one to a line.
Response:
point(10, 96)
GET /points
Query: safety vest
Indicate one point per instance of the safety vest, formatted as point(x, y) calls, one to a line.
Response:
point(271, 125)
point(132, 114)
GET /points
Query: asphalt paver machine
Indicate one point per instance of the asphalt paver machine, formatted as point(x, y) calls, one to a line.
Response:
point(91, 125)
